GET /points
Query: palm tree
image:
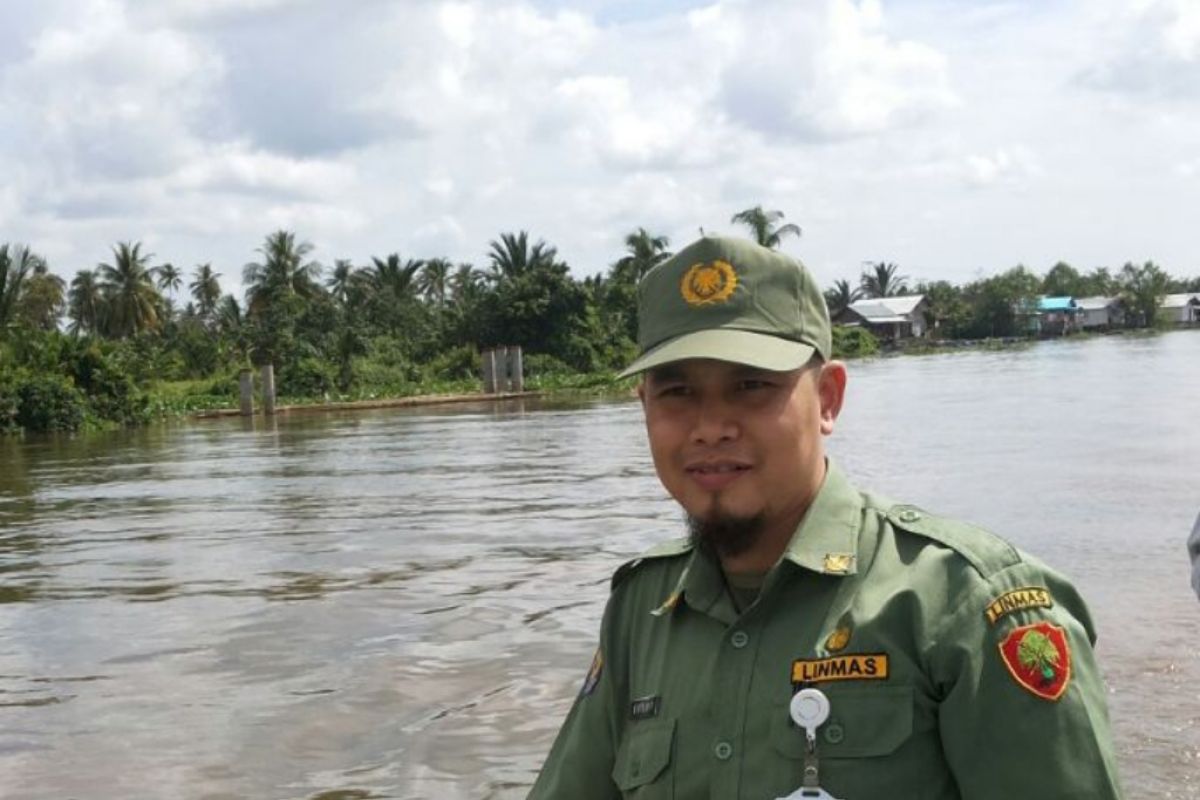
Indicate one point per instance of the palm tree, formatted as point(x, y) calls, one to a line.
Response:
point(131, 301)
point(512, 256)
point(168, 278)
point(882, 280)
point(394, 276)
point(465, 285)
point(282, 272)
point(16, 263)
point(85, 303)
point(432, 281)
point(841, 297)
point(765, 225)
point(206, 289)
point(229, 314)
point(645, 253)
point(340, 280)
point(43, 295)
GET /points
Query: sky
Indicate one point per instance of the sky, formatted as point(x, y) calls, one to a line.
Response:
point(953, 138)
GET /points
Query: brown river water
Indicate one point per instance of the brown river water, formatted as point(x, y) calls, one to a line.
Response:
point(402, 603)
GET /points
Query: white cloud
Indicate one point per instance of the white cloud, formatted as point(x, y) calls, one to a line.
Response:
point(1150, 48)
point(1002, 166)
point(829, 71)
point(939, 135)
point(233, 167)
point(603, 117)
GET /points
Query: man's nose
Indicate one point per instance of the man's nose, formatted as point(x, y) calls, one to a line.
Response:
point(715, 421)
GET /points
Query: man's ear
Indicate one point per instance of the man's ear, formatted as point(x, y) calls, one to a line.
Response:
point(831, 391)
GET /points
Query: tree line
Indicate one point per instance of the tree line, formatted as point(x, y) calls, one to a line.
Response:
point(396, 324)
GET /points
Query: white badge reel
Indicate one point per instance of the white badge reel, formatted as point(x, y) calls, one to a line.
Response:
point(809, 709)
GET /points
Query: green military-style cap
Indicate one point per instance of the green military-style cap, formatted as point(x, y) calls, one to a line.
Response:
point(730, 300)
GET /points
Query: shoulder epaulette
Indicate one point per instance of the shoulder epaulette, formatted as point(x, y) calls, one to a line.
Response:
point(668, 549)
point(985, 551)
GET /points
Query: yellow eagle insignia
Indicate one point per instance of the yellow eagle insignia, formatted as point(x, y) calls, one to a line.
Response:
point(708, 282)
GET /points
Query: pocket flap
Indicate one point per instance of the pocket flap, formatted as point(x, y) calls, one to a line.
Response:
point(864, 721)
point(643, 754)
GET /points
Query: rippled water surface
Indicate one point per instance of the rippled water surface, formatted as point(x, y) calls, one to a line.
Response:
point(402, 603)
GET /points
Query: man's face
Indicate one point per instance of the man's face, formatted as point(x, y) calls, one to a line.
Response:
point(732, 442)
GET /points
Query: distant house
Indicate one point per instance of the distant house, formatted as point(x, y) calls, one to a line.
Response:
point(1099, 313)
point(1181, 309)
point(889, 318)
point(1056, 316)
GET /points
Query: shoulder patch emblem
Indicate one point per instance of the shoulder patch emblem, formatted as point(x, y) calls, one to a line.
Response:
point(708, 282)
point(593, 676)
point(856, 667)
point(1038, 658)
point(1017, 600)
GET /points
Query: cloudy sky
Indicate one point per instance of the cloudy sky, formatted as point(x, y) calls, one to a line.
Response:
point(954, 137)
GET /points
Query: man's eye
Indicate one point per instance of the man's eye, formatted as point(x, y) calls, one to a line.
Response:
point(677, 390)
point(750, 384)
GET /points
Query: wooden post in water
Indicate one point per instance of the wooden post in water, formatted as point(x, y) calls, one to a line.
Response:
point(489, 371)
point(516, 369)
point(246, 392)
point(268, 384)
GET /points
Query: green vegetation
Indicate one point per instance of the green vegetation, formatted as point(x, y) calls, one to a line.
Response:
point(143, 340)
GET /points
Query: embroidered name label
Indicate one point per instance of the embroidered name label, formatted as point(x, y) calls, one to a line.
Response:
point(1016, 600)
point(857, 667)
point(644, 708)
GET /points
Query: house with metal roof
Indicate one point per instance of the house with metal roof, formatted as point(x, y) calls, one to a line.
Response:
point(1056, 316)
point(1099, 313)
point(889, 318)
point(1181, 309)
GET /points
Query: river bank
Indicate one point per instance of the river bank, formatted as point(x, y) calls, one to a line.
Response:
point(365, 405)
point(109, 400)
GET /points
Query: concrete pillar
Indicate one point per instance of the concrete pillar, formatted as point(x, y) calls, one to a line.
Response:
point(246, 392)
point(516, 369)
point(501, 370)
point(489, 371)
point(268, 389)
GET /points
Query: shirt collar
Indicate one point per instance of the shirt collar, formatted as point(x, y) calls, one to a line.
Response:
point(825, 541)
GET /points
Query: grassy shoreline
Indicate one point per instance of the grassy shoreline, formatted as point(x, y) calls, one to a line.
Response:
point(164, 401)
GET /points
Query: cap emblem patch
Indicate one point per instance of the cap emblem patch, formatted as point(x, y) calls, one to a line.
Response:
point(708, 282)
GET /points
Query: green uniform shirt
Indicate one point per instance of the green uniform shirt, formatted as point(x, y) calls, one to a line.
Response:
point(955, 666)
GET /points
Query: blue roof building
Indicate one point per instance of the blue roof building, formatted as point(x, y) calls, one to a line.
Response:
point(1062, 305)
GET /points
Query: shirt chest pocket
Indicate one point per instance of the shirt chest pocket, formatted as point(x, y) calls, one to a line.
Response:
point(643, 759)
point(864, 722)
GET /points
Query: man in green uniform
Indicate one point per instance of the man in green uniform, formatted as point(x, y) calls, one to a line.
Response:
point(954, 665)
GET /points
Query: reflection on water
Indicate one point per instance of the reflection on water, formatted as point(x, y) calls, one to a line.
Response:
point(401, 603)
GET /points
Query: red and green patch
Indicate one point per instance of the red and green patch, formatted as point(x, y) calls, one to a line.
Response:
point(1039, 659)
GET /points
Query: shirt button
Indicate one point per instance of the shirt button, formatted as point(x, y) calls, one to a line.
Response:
point(910, 515)
point(834, 733)
point(723, 751)
point(739, 639)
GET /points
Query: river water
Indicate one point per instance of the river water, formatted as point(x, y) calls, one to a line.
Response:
point(403, 603)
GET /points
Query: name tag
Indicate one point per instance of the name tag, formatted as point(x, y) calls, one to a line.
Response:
point(855, 667)
point(644, 708)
